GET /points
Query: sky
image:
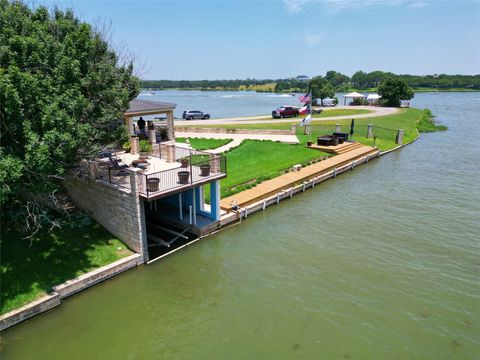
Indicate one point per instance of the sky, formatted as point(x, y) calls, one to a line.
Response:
point(239, 39)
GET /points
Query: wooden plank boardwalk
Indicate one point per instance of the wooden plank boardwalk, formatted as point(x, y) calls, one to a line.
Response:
point(286, 181)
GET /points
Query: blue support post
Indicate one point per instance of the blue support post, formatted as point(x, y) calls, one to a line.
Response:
point(215, 200)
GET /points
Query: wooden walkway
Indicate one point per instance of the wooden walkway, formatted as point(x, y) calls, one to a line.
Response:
point(286, 181)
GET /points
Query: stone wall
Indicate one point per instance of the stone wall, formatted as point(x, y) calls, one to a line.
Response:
point(66, 289)
point(118, 209)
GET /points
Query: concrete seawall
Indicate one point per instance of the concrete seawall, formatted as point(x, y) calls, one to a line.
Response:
point(68, 288)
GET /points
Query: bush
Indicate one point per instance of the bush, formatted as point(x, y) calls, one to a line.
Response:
point(145, 146)
point(127, 146)
point(358, 101)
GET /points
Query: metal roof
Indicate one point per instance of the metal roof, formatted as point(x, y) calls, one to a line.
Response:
point(137, 106)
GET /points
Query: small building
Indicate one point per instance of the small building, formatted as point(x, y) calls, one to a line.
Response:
point(157, 204)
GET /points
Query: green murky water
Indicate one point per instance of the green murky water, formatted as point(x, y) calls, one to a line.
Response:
point(382, 263)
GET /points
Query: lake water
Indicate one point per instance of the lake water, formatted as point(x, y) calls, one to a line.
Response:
point(381, 263)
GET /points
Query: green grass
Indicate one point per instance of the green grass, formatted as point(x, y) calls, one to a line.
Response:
point(385, 127)
point(337, 112)
point(204, 144)
point(427, 123)
point(29, 268)
point(342, 112)
point(255, 161)
point(324, 113)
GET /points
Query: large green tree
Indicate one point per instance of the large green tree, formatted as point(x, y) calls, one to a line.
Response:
point(393, 90)
point(62, 90)
point(321, 88)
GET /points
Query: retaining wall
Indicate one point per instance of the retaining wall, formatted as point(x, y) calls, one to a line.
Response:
point(244, 212)
point(117, 209)
point(66, 289)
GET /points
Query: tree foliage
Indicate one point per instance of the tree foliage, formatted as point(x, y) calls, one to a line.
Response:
point(393, 90)
point(62, 90)
point(321, 88)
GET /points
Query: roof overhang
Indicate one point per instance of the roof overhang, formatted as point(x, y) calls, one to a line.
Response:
point(139, 107)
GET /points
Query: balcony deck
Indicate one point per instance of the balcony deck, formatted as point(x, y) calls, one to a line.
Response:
point(163, 177)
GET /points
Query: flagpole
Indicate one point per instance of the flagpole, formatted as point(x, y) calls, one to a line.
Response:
point(311, 96)
point(309, 92)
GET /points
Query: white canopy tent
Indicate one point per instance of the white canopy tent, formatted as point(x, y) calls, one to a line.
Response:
point(373, 98)
point(352, 95)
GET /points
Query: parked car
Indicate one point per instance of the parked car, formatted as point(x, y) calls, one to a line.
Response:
point(195, 114)
point(285, 111)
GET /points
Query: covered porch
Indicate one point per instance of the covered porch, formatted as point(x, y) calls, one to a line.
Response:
point(156, 130)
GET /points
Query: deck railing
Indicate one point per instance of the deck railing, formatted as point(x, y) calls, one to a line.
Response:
point(192, 168)
point(196, 170)
point(104, 171)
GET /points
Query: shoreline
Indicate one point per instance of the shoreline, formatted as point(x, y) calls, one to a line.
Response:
point(90, 279)
point(416, 90)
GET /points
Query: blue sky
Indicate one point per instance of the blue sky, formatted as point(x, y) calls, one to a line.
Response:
point(277, 39)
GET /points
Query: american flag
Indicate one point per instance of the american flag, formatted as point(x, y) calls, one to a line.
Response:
point(305, 98)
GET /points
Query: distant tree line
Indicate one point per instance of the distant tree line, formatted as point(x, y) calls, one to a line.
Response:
point(203, 84)
point(340, 82)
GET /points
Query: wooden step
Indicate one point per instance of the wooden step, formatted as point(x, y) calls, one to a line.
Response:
point(350, 148)
point(339, 149)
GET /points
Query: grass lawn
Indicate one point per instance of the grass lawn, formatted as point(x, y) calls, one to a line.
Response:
point(29, 269)
point(328, 112)
point(341, 112)
point(204, 144)
point(385, 127)
point(256, 161)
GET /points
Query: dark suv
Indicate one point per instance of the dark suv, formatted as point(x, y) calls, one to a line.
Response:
point(194, 114)
point(285, 111)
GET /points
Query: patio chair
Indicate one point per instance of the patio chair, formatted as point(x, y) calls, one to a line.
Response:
point(114, 162)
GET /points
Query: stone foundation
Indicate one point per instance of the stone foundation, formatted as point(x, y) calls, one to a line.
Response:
point(119, 210)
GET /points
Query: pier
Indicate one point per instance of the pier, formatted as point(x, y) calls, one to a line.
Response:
point(306, 177)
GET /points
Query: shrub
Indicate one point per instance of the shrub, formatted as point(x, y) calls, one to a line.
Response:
point(145, 146)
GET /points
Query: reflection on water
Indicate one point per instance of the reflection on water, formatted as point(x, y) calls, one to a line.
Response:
point(381, 263)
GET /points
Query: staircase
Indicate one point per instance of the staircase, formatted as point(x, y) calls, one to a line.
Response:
point(339, 149)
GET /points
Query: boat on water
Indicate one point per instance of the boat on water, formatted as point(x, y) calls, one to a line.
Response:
point(147, 93)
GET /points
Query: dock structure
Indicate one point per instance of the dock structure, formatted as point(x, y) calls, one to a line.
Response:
point(284, 185)
point(339, 149)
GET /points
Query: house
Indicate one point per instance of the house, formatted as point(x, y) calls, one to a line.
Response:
point(157, 204)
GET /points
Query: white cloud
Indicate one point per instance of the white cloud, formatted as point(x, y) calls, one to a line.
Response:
point(417, 4)
point(295, 6)
point(335, 6)
point(312, 38)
